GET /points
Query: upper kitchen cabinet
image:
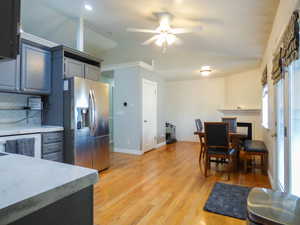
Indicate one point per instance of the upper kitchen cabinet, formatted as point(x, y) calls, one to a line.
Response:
point(35, 70)
point(77, 63)
point(10, 29)
point(73, 68)
point(92, 72)
point(10, 75)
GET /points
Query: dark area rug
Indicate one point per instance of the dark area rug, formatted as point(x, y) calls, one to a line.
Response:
point(228, 200)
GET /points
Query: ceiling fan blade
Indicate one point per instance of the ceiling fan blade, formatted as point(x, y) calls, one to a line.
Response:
point(150, 40)
point(185, 30)
point(178, 41)
point(142, 30)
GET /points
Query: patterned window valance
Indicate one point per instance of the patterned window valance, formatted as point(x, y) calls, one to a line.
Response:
point(290, 45)
point(277, 73)
point(264, 79)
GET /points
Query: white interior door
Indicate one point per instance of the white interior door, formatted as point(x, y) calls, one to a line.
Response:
point(149, 115)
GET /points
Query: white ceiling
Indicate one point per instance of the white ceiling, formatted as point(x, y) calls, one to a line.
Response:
point(233, 37)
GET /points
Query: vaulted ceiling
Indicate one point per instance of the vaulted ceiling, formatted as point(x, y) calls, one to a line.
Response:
point(232, 39)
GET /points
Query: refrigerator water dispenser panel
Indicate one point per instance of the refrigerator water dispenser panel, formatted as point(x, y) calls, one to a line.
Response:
point(82, 118)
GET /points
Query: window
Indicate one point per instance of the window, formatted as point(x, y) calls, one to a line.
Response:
point(265, 107)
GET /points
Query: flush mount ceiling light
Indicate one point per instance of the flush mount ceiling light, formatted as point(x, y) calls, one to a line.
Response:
point(205, 71)
point(88, 7)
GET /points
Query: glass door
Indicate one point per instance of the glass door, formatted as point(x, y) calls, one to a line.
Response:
point(294, 128)
point(280, 134)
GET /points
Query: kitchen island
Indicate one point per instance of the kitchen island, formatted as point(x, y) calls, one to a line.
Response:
point(35, 191)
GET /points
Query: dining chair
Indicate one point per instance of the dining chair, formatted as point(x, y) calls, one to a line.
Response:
point(217, 146)
point(199, 127)
point(232, 121)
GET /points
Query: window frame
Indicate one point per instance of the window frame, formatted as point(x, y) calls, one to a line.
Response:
point(265, 93)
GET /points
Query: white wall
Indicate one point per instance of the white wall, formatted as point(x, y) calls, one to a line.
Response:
point(244, 89)
point(189, 100)
point(127, 124)
point(284, 12)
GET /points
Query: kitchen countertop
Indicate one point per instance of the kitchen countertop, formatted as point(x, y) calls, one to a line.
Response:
point(28, 184)
point(15, 130)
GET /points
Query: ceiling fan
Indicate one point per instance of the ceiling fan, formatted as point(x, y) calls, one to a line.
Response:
point(165, 35)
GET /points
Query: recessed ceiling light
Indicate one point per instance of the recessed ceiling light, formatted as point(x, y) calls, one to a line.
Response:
point(205, 71)
point(88, 7)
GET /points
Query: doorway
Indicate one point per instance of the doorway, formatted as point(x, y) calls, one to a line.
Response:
point(149, 115)
point(280, 134)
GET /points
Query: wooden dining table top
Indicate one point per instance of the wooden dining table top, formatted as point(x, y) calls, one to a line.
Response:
point(232, 135)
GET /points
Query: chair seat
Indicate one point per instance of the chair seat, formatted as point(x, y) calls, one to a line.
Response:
point(255, 146)
point(220, 151)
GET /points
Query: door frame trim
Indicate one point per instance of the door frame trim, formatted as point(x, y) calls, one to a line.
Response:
point(144, 81)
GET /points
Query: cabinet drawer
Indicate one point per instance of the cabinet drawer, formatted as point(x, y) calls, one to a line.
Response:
point(73, 68)
point(92, 72)
point(57, 156)
point(52, 147)
point(52, 137)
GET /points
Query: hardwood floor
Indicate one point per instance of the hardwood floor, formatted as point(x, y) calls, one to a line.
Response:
point(162, 187)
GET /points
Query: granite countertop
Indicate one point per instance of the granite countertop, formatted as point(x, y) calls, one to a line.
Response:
point(28, 184)
point(274, 207)
point(17, 130)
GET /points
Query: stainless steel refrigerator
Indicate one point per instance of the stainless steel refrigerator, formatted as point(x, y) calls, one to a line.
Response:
point(86, 122)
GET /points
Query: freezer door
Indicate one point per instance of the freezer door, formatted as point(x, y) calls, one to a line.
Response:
point(101, 151)
point(101, 109)
point(83, 149)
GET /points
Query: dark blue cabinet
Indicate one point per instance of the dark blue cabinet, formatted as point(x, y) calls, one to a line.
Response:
point(10, 75)
point(76, 68)
point(73, 68)
point(92, 72)
point(35, 70)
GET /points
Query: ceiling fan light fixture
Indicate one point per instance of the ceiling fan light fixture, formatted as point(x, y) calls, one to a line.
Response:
point(165, 39)
point(171, 38)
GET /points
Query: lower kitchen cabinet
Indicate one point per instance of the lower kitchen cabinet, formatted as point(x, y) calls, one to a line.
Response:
point(52, 146)
point(35, 70)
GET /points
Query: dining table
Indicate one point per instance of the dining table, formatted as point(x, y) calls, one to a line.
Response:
point(235, 140)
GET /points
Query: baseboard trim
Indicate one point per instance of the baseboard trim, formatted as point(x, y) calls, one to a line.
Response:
point(271, 180)
point(161, 144)
point(128, 151)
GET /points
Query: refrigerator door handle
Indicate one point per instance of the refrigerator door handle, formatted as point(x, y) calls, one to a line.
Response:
point(94, 111)
point(91, 113)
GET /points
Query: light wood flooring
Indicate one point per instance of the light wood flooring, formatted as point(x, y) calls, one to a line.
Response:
point(162, 187)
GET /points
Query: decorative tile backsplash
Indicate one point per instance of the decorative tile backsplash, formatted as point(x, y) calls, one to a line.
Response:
point(17, 117)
